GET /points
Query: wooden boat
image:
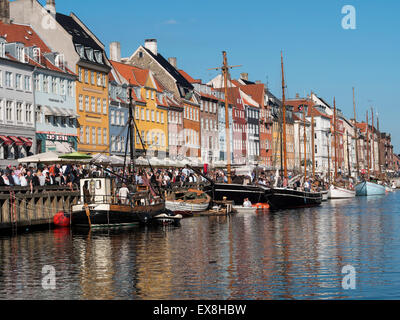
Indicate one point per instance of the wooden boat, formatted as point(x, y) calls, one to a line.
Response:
point(99, 207)
point(241, 209)
point(367, 188)
point(188, 202)
point(336, 192)
point(282, 198)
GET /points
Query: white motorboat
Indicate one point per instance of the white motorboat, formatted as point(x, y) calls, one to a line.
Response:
point(340, 193)
point(241, 209)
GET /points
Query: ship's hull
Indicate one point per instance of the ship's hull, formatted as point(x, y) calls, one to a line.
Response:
point(106, 215)
point(184, 207)
point(340, 193)
point(281, 198)
point(369, 189)
point(238, 192)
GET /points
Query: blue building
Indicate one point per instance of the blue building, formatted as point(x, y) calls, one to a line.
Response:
point(118, 113)
point(222, 131)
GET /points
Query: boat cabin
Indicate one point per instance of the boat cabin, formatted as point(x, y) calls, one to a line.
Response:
point(96, 190)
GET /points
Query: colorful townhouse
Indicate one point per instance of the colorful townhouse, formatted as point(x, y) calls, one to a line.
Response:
point(169, 77)
point(151, 109)
point(17, 117)
point(84, 54)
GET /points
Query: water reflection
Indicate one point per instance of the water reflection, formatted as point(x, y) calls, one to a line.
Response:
point(294, 254)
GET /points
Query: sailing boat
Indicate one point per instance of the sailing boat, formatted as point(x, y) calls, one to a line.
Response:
point(336, 192)
point(369, 186)
point(286, 198)
point(233, 191)
point(102, 204)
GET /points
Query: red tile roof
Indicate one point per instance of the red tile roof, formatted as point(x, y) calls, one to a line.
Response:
point(256, 91)
point(188, 77)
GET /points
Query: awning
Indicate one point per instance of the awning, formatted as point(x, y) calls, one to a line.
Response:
point(16, 141)
point(58, 112)
point(26, 141)
point(72, 113)
point(48, 111)
point(6, 141)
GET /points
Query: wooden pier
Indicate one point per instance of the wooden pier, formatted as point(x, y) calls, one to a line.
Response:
point(19, 208)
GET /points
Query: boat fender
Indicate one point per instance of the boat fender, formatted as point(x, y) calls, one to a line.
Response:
point(61, 220)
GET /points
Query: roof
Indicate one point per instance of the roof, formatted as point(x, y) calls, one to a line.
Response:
point(188, 77)
point(79, 36)
point(181, 80)
point(126, 71)
point(256, 91)
point(25, 34)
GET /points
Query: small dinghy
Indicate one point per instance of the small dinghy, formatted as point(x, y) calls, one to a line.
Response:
point(241, 209)
point(187, 202)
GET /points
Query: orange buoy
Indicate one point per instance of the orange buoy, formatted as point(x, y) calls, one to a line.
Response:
point(261, 205)
point(61, 220)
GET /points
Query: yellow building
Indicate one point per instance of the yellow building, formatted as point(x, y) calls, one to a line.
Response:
point(151, 110)
point(92, 107)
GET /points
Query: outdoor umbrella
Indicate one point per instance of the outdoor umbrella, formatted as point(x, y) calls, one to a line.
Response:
point(76, 156)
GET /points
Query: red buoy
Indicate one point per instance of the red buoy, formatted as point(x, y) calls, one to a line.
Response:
point(262, 206)
point(61, 220)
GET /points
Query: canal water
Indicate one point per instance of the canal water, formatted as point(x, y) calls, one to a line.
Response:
point(296, 254)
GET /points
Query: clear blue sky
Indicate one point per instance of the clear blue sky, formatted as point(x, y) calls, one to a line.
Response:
point(319, 54)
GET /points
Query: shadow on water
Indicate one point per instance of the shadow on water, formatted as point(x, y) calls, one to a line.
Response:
point(290, 254)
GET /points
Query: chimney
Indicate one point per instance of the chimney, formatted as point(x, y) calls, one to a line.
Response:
point(244, 76)
point(115, 51)
point(151, 44)
point(172, 61)
point(5, 11)
point(258, 81)
point(297, 96)
point(51, 7)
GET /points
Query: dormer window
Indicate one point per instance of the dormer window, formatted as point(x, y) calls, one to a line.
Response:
point(36, 54)
point(2, 49)
point(81, 50)
point(98, 55)
point(20, 54)
point(59, 61)
point(89, 54)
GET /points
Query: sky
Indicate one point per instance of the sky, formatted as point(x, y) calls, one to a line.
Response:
point(319, 54)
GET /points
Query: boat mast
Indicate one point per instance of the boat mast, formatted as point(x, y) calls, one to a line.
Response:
point(300, 146)
point(329, 163)
point(334, 129)
point(367, 148)
point(284, 121)
point(227, 129)
point(131, 137)
point(373, 141)
point(348, 153)
point(379, 145)
point(313, 144)
point(305, 142)
point(355, 135)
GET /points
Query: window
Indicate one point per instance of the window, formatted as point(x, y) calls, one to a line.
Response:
point(112, 116)
point(62, 87)
point(19, 111)
point(98, 135)
point(93, 100)
point(104, 106)
point(81, 134)
point(92, 76)
point(162, 117)
point(80, 74)
point(9, 79)
point(94, 135)
point(104, 136)
point(28, 113)
point(86, 76)
point(152, 115)
point(104, 81)
point(53, 85)
point(98, 105)
point(152, 95)
point(147, 94)
point(142, 111)
point(36, 82)
point(99, 79)
point(70, 88)
point(9, 111)
point(28, 86)
point(38, 114)
point(123, 119)
point(147, 115)
point(18, 81)
point(118, 115)
point(87, 103)
point(45, 84)
point(80, 102)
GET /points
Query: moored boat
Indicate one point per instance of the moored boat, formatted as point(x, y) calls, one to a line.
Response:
point(336, 192)
point(325, 195)
point(241, 209)
point(188, 202)
point(282, 198)
point(367, 188)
